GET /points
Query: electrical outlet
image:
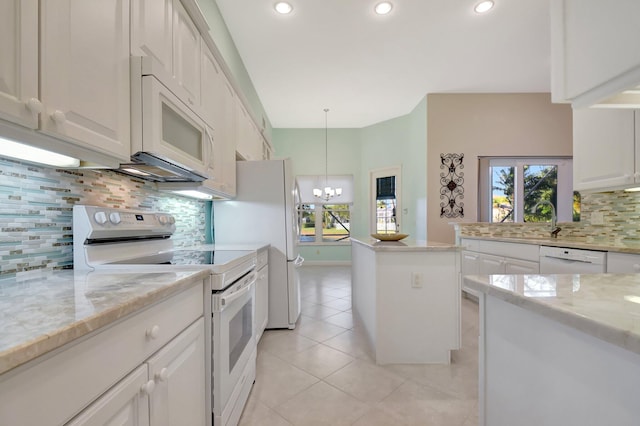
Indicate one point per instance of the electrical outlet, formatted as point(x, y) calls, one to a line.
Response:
point(416, 280)
point(597, 218)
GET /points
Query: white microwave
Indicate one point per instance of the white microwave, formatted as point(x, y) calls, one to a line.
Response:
point(169, 140)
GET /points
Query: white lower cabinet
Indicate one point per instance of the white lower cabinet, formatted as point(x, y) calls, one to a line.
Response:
point(623, 263)
point(482, 257)
point(167, 390)
point(147, 369)
point(178, 371)
point(124, 404)
point(262, 294)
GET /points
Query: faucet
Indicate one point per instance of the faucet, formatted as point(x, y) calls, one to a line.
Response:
point(554, 228)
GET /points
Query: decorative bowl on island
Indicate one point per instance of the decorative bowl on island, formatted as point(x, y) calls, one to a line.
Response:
point(390, 237)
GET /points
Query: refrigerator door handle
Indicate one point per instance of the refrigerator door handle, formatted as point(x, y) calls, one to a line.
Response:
point(298, 261)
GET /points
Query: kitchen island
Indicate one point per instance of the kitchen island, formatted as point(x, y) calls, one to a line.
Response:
point(406, 296)
point(558, 349)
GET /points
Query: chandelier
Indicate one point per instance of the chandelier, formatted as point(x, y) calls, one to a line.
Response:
point(328, 192)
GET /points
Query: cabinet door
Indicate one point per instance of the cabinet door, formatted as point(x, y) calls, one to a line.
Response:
point(152, 31)
point(127, 403)
point(186, 54)
point(244, 132)
point(470, 264)
point(489, 264)
point(227, 138)
point(19, 62)
point(516, 266)
point(623, 263)
point(600, 43)
point(85, 73)
point(178, 369)
point(603, 148)
point(262, 301)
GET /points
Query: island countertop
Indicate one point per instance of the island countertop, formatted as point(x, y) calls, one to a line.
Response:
point(606, 306)
point(404, 245)
point(43, 311)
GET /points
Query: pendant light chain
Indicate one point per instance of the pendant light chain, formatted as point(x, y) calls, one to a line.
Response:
point(326, 149)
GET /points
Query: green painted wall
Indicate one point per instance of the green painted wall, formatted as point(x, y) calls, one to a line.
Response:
point(399, 141)
point(224, 42)
point(306, 148)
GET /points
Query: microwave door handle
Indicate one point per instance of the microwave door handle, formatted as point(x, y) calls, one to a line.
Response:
point(226, 300)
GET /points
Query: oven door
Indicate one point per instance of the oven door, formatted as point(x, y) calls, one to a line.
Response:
point(233, 338)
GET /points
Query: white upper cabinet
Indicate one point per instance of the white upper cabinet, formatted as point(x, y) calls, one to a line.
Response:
point(186, 54)
point(84, 73)
point(19, 100)
point(248, 138)
point(594, 49)
point(152, 31)
point(218, 103)
point(605, 149)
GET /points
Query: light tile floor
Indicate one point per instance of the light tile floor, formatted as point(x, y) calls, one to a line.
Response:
point(322, 373)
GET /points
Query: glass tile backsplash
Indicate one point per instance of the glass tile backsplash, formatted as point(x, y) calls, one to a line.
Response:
point(36, 205)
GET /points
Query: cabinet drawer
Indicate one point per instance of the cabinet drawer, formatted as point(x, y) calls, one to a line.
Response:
point(65, 382)
point(513, 250)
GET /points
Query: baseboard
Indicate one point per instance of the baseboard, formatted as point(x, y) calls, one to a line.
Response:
point(327, 263)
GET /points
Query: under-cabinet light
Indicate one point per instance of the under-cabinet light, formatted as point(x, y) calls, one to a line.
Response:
point(194, 194)
point(20, 151)
point(136, 171)
point(634, 189)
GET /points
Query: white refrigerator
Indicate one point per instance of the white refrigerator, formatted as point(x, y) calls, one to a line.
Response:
point(265, 211)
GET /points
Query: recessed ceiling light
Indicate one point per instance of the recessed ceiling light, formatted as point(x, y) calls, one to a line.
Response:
point(383, 8)
point(483, 6)
point(283, 7)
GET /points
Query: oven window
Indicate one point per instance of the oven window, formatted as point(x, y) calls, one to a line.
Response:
point(240, 332)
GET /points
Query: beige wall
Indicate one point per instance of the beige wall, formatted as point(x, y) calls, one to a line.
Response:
point(523, 124)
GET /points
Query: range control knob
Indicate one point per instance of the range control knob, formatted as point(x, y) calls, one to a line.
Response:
point(100, 218)
point(172, 220)
point(114, 218)
point(162, 219)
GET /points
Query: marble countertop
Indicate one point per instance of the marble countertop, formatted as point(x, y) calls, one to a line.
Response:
point(407, 245)
point(43, 311)
point(606, 306)
point(579, 243)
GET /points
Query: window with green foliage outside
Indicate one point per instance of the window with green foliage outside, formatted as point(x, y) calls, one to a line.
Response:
point(324, 223)
point(511, 188)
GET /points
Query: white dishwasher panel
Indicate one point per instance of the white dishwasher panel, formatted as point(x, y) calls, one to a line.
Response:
point(562, 260)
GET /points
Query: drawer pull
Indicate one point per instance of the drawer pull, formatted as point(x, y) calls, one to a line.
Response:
point(153, 332)
point(162, 375)
point(148, 388)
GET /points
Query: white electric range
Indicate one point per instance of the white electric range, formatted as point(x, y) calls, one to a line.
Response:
point(108, 238)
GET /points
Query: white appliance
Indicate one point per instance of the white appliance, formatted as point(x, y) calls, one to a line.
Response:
point(562, 260)
point(105, 238)
point(170, 140)
point(264, 211)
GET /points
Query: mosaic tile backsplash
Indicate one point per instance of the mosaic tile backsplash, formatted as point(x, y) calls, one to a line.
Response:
point(36, 205)
point(621, 225)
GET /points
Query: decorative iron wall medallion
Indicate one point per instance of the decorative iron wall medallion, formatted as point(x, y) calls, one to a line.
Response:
point(452, 191)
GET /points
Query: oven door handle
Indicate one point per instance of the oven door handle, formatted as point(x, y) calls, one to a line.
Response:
point(226, 300)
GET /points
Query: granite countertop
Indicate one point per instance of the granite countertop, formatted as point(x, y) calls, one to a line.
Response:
point(406, 245)
point(579, 243)
point(43, 311)
point(606, 306)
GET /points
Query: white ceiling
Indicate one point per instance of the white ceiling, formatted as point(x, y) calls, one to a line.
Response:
point(365, 68)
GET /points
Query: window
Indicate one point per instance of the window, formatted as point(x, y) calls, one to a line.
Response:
point(327, 223)
point(511, 188)
point(385, 200)
point(324, 222)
